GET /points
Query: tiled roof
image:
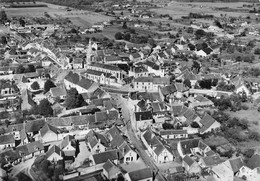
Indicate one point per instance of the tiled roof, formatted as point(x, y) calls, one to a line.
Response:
point(7, 139)
point(53, 149)
point(72, 77)
point(141, 174)
point(254, 161)
point(46, 128)
point(29, 148)
point(212, 160)
point(188, 160)
point(206, 122)
point(85, 83)
point(58, 91)
point(102, 157)
point(168, 89)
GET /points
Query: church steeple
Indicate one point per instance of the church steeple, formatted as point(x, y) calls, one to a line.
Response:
point(89, 52)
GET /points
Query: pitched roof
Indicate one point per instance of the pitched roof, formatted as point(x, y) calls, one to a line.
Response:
point(141, 116)
point(188, 160)
point(156, 143)
point(7, 139)
point(104, 156)
point(141, 174)
point(85, 83)
point(72, 77)
point(34, 125)
point(58, 91)
point(53, 149)
point(254, 161)
point(187, 145)
point(110, 166)
point(113, 132)
point(206, 122)
point(105, 116)
point(66, 141)
point(46, 128)
point(168, 89)
point(236, 164)
point(29, 148)
point(212, 160)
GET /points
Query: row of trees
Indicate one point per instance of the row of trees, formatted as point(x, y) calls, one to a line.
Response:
point(73, 100)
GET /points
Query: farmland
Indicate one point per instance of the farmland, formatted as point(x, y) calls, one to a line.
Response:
point(80, 18)
point(178, 9)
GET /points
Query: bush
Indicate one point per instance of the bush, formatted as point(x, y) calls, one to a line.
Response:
point(119, 36)
point(244, 107)
point(167, 126)
point(257, 51)
point(249, 153)
point(35, 86)
point(254, 135)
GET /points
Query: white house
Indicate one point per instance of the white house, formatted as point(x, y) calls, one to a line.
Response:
point(173, 134)
point(54, 154)
point(159, 150)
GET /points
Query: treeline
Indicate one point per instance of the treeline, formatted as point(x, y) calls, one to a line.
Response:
point(80, 4)
point(27, 5)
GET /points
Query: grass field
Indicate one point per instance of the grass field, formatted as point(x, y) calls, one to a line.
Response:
point(80, 18)
point(178, 9)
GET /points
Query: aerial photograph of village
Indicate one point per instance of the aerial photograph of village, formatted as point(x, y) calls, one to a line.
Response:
point(130, 90)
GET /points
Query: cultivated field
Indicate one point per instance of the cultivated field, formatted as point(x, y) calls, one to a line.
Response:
point(80, 18)
point(178, 9)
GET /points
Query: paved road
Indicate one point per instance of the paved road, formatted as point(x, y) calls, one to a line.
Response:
point(128, 115)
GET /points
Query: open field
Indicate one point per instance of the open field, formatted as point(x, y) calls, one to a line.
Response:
point(179, 9)
point(81, 18)
point(252, 115)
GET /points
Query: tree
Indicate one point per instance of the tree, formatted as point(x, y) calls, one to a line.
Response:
point(119, 36)
point(48, 85)
point(187, 83)
point(195, 125)
point(74, 99)
point(44, 108)
point(200, 33)
point(30, 68)
point(127, 36)
point(167, 126)
point(257, 51)
point(3, 40)
point(74, 31)
point(196, 65)
point(3, 16)
point(35, 86)
point(20, 69)
point(22, 22)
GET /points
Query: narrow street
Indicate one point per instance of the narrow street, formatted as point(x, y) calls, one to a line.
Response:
point(128, 115)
